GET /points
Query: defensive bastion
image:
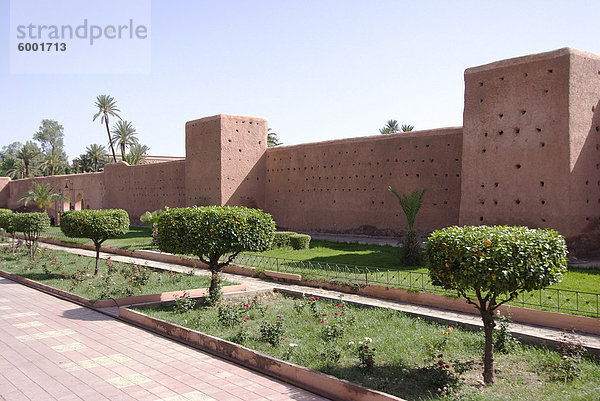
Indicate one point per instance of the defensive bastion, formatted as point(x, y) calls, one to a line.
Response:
point(528, 154)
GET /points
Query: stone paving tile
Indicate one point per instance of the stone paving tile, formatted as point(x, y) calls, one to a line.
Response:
point(80, 354)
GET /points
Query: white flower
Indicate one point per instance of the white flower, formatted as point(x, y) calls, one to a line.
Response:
point(293, 345)
point(350, 342)
point(368, 340)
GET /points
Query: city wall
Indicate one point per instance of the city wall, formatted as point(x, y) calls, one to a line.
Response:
point(528, 153)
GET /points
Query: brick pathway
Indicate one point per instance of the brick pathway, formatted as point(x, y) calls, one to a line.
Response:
point(52, 349)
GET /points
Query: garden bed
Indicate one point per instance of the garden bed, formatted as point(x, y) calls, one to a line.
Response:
point(71, 276)
point(402, 357)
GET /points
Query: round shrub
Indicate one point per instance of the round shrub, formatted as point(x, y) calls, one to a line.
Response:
point(210, 232)
point(281, 239)
point(300, 241)
point(490, 266)
point(31, 225)
point(6, 220)
point(97, 225)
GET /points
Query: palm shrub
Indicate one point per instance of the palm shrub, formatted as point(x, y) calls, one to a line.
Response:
point(31, 225)
point(411, 204)
point(211, 232)
point(150, 219)
point(491, 265)
point(97, 225)
point(41, 194)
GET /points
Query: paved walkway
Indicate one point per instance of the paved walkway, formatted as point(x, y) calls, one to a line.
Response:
point(51, 349)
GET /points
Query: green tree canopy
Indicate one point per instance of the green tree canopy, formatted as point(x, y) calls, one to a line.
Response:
point(490, 266)
point(107, 107)
point(211, 232)
point(97, 225)
point(124, 136)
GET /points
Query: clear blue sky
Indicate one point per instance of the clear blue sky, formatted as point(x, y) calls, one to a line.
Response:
point(317, 70)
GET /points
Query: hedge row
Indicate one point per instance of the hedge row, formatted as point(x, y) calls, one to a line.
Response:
point(297, 241)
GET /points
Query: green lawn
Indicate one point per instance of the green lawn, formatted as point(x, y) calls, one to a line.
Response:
point(384, 258)
point(323, 336)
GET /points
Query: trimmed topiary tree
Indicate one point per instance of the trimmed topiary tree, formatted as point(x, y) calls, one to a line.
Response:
point(211, 232)
point(490, 266)
point(6, 222)
point(97, 225)
point(31, 225)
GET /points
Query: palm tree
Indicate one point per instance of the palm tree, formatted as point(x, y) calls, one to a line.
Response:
point(391, 127)
point(124, 135)
point(407, 127)
point(17, 171)
point(136, 154)
point(107, 107)
point(42, 194)
point(96, 153)
point(410, 204)
point(272, 139)
point(27, 153)
point(52, 162)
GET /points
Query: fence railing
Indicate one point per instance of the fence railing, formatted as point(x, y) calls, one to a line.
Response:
point(554, 299)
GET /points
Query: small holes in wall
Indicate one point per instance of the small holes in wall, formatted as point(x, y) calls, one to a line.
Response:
point(550, 71)
point(496, 184)
point(229, 140)
point(543, 202)
point(587, 219)
point(480, 101)
point(481, 218)
point(500, 116)
point(518, 166)
point(543, 144)
point(517, 131)
point(495, 202)
point(481, 83)
point(500, 132)
point(538, 130)
point(523, 112)
point(485, 134)
point(542, 183)
point(525, 75)
point(544, 220)
point(501, 78)
point(483, 151)
point(518, 202)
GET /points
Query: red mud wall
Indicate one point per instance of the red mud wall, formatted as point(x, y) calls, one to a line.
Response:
point(530, 145)
point(145, 187)
point(342, 185)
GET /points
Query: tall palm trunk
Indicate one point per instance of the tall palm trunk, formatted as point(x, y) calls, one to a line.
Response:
point(123, 151)
point(26, 168)
point(112, 148)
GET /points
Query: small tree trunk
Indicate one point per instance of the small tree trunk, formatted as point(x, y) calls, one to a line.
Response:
point(112, 148)
point(97, 271)
point(488, 357)
point(215, 281)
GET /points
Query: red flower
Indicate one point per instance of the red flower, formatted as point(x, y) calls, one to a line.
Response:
point(322, 321)
point(447, 366)
point(369, 360)
point(373, 349)
point(366, 347)
point(246, 319)
point(324, 314)
point(440, 363)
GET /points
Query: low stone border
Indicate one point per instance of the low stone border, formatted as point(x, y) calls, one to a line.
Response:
point(105, 303)
point(311, 380)
point(562, 321)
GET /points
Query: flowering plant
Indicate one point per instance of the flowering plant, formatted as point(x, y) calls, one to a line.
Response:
point(184, 303)
point(366, 353)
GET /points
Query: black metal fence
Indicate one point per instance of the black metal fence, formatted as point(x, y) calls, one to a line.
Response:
point(553, 299)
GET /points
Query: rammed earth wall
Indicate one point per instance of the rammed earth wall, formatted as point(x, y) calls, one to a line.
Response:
point(528, 153)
